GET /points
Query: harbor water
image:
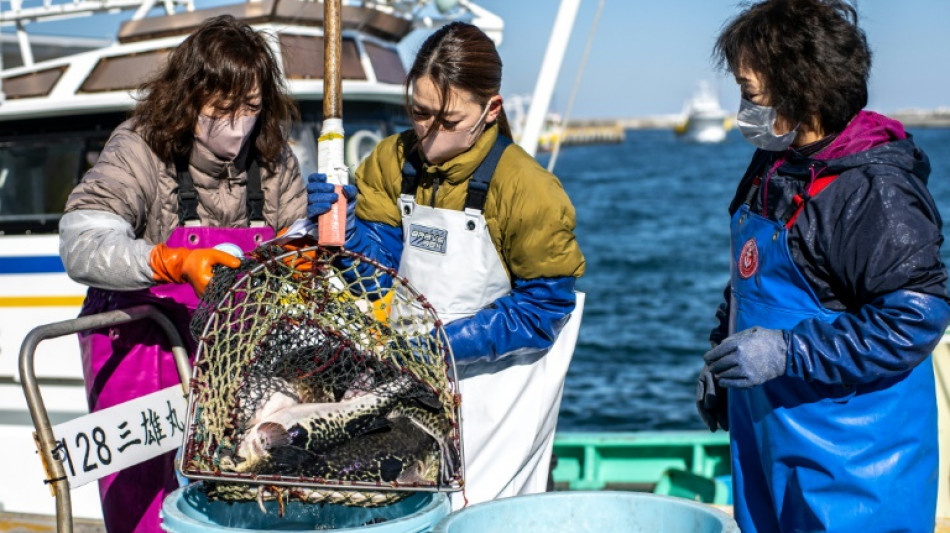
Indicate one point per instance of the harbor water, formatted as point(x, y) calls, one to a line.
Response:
point(653, 223)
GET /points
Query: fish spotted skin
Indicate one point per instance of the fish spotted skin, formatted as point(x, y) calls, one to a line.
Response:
point(437, 425)
point(315, 426)
point(398, 453)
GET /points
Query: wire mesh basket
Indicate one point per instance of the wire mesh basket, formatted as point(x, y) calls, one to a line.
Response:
point(320, 376)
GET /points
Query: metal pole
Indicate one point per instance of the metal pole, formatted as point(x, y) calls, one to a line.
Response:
point(332, 224)
point(577, 83)
point(547, 78)
point(332, 44)
point(26, 51)
point(34, 400)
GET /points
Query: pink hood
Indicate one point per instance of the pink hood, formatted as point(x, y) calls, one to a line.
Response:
point(865, 131)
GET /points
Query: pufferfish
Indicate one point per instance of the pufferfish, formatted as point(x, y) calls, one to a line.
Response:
point(314, 427)
point(397, 451)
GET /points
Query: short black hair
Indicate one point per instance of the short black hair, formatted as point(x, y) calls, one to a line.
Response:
point(812, 58)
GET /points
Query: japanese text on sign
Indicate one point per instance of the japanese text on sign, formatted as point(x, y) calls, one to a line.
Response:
point(104, 442)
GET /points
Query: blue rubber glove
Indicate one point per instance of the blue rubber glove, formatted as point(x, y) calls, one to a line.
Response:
point(321, 195)
point(711, 401)
point(749, 358)
point(527, 319)
point(349, 192)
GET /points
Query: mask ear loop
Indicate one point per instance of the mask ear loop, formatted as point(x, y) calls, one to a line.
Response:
point(480, 118)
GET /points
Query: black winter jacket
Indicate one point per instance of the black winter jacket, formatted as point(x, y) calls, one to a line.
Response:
point(873, 232)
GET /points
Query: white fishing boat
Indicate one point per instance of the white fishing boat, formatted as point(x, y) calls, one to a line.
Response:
point(56, 114)
point(703, 119)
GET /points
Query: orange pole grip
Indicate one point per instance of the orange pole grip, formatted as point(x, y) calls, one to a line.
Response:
point(332, 224)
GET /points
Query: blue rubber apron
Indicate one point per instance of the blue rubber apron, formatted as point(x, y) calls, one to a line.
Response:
point(807, 456)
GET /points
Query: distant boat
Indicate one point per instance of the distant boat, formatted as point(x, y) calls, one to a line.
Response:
point(704, 120)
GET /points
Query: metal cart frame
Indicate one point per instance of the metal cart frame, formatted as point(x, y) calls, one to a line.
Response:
point(44, 431)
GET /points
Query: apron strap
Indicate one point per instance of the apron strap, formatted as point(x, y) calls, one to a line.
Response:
point(255, 195)
point(481, 179)
point(815, 187)
point(411, 170)
point(188, 196)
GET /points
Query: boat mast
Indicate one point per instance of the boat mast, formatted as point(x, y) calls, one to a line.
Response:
point(577, 84)
point(553, 57)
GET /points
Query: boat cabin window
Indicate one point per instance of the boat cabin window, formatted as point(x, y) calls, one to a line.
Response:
point(126, 72)
point(386, 63)
point(34, 84)
point(35, 181)
point(303, 58)
point(41, 160)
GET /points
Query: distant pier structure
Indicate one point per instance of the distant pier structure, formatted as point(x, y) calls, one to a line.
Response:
point(612, 130)
point(923, 118)
point(554, 130)
point(579, 132)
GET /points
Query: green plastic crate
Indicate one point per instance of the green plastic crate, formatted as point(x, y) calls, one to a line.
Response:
point(675, 461)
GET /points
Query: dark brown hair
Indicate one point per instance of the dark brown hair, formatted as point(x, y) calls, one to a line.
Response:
point(224, 59)
point(812, 58)
point(459, 56)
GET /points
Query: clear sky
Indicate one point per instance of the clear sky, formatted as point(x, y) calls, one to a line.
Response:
point(648, 56)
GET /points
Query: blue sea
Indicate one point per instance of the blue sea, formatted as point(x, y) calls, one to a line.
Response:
point(653, 223)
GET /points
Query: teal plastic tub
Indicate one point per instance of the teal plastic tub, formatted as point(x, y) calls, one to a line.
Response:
point(187, 510)
point(589, 512)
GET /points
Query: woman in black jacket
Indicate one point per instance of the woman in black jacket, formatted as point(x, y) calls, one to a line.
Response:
point(837, 294)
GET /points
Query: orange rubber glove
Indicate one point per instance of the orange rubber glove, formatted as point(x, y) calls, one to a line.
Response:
point(181, 265)
point(303, 260)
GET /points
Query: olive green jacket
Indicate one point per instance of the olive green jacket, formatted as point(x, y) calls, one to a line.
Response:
point(529, 216)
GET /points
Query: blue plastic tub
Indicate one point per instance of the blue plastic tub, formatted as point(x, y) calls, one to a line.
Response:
point(187, 510)
point(589, 512)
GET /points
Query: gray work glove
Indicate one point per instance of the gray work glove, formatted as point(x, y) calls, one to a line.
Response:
point(748, 358)
point(711, 401)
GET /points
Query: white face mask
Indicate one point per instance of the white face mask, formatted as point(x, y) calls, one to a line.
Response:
point(757, 123)
point(440, 146)
point(225, 137)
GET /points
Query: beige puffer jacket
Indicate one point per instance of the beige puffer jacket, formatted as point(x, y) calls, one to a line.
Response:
point(130, 180)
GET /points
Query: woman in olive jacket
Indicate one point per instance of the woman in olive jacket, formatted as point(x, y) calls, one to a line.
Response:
point(487, 236)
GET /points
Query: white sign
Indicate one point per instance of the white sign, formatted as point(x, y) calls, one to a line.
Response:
point(104, 442)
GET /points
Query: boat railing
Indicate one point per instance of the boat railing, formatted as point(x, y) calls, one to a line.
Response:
point(693, 464)
point(18, 13)
point(53, 460)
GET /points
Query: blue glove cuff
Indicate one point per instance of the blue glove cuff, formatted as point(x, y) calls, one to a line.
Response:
point(528, 319)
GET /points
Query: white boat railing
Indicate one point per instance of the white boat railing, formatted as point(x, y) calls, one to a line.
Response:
point(19, 14)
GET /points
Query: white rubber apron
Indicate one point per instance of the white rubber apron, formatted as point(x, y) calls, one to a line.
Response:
point(509, 412)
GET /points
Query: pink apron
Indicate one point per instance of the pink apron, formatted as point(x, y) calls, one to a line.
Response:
point(125, 362)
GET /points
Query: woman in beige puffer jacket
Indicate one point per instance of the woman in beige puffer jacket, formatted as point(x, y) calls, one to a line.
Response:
point(203, 162)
